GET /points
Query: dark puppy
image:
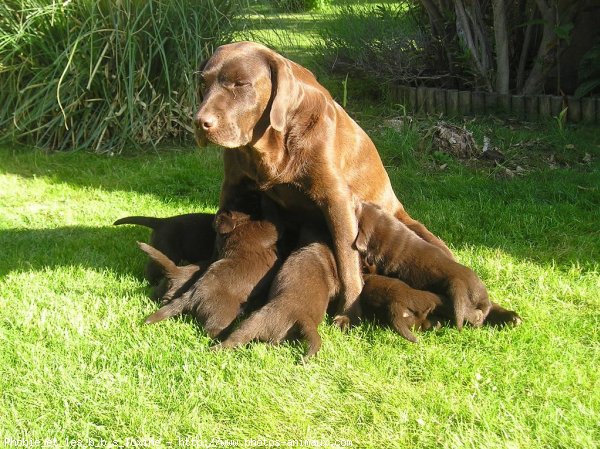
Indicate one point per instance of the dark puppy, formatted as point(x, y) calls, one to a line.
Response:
point(394, 303)
point(178, 278)
point(297, 302)
point(248, 256)
point(188, 237)
point(399, 252)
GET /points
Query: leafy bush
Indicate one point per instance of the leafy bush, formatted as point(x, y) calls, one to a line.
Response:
point(298, 5)
point(104, 74)
point(589, 71)
point(382, 41)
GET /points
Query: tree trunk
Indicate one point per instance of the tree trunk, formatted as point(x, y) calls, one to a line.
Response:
point(502, 55)
point(473, 33)
point(544, 59)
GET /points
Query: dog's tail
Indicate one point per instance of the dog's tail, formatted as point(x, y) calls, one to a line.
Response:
point(174, 308)
point(168, 266)
point(149, 222)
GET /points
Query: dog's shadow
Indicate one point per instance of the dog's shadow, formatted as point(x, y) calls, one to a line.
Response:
point(99, 248)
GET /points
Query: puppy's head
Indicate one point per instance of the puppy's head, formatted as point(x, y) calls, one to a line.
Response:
point(245, 88)
point(227, 220)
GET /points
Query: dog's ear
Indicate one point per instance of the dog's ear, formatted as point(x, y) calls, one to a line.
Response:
point(361, 242)
point(283, 91)
point(224, 222)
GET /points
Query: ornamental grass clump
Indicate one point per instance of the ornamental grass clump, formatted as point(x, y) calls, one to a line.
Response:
point(104, 75)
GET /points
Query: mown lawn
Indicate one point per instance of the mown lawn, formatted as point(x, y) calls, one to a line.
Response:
point(76, 363)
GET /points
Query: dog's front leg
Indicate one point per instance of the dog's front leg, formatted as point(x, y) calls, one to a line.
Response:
point(338, 208)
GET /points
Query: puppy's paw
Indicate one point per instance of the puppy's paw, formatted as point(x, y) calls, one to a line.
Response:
point(476, 318)
point(503, 318)
point(342, 321)
point(217, 347)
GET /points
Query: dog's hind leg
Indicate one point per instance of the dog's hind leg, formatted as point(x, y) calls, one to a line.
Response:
point(249, 330)
point(308, 330)
point(174, 308)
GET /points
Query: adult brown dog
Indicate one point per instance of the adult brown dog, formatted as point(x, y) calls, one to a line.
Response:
point(248, 256)
point(287, 136)
point(188, 237)
point(394, 303)
point(297, 303)
point(398, 252)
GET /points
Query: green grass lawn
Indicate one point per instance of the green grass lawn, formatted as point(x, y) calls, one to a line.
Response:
point(77, 363)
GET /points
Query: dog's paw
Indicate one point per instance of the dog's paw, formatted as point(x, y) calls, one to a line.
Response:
point(342, 321)
point(217, 347)
point(503, 318)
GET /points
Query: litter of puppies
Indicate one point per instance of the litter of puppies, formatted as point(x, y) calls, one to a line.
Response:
point(244, 268)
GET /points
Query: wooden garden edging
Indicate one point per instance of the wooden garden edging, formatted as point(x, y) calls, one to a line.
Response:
point(523, 107)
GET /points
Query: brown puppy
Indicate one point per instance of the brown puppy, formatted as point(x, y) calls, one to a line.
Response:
point(297, 301)
point(399, 252)
point(178, 278)
point(188, 237)
point(289, 138)
point(248, 260)
point(394, 303)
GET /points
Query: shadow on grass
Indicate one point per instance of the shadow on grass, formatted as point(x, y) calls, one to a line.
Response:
point(167, 174)
point(97, 248)
point(546, 217)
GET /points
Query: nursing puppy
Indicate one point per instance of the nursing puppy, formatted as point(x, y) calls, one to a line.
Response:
point(394, 303)
point(248, 255)
point(399, 252)
point(188, 237)
point(298, 300)
point(178, 279)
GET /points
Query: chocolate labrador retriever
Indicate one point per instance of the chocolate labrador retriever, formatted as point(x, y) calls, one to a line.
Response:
point(394, 303)
point(398, 252)
point(285, 135)
point(188, 237)
point(297, 302)
point(248, 254)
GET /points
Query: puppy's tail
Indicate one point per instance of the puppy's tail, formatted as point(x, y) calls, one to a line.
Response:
point(149, 222)
point(168, 266)
point(174, 308)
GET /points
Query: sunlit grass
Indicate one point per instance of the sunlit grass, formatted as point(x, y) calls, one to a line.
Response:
point(76, 361)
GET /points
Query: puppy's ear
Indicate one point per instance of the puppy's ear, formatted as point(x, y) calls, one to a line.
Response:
point(282, 91)
point(361, 242)
point(224, 222)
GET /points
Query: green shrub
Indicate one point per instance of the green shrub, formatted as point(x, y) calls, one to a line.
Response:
point(298, 5)
point(383, 42)
point(104, 74)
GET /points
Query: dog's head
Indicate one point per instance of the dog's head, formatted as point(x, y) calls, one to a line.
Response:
point(246, 88)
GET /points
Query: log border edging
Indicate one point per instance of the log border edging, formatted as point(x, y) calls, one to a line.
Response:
point(431, 100)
